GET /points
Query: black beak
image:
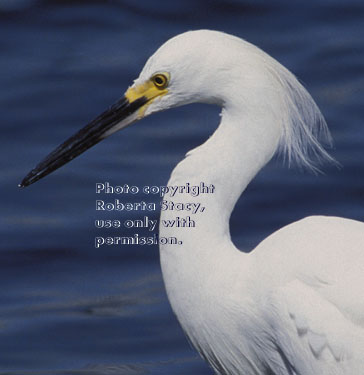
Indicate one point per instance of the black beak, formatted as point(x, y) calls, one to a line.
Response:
point(118, 116)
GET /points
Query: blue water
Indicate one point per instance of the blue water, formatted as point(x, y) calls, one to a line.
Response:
point(67, 308)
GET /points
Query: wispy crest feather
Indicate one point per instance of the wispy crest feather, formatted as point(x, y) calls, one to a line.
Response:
point(304, 128)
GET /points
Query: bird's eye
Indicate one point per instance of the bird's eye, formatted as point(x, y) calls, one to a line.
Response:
point(160, 80)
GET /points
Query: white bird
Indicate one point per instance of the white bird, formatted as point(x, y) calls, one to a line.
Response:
point(295, 304)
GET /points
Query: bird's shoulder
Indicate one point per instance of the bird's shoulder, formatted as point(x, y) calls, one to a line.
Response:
point(311, 292)
point(324, 253)
point(325, 246)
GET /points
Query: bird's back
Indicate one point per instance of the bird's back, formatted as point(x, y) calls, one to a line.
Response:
point(310, 296)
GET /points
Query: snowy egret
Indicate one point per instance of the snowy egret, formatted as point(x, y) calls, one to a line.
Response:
point(295, 304)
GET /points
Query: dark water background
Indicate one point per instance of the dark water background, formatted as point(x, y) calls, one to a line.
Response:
point(67, 308)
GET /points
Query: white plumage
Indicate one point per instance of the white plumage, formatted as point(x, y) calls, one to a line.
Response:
point(295, 304)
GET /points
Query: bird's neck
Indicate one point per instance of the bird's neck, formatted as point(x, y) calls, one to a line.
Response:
point(204, 263)
point(229, 160)
point(226, 163)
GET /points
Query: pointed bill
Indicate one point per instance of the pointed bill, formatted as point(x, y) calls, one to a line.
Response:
point(123, 113)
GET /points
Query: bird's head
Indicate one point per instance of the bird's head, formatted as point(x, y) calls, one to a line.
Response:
point(211, 67)
point(196, 66)
point(171, 77)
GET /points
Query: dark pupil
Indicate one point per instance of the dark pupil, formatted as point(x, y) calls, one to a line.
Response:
point(159, 80)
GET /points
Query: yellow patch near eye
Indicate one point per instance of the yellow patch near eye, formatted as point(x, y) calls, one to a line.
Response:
point(148, 90)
